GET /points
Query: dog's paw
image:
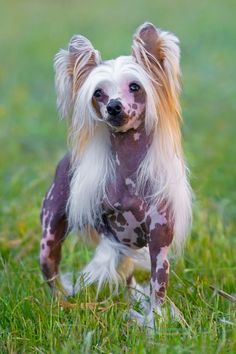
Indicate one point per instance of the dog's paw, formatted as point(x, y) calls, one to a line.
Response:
point(65, 284)
point(145, 320)
point(140, 295)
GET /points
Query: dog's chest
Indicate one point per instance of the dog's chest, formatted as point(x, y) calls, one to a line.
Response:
point(128, 217)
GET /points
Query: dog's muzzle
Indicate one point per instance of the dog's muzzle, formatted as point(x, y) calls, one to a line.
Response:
point(115, 111)
point(114, 107)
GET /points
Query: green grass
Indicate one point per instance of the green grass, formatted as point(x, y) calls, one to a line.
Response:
point(32, 141)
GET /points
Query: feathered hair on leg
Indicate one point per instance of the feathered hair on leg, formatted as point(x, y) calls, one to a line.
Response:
point(163, 168)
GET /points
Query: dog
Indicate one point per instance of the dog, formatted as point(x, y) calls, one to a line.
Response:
point(124, 183)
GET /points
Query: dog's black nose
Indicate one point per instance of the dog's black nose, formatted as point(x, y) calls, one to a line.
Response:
point(114, 107)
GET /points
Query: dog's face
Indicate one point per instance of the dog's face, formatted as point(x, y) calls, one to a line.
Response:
point(119, 97)
point(122, 93)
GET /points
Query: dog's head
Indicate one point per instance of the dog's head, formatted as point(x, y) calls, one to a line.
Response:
point(119, 97)
point(120, 93)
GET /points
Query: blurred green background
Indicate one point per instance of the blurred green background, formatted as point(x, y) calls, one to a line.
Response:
point(33, 140)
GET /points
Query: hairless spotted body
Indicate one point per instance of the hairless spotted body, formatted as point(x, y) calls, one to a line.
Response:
point(125, 178)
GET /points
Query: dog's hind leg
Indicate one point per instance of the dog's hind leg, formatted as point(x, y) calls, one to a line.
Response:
point(54, 222)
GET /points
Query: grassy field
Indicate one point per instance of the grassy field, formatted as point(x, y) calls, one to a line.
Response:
point(32, 141)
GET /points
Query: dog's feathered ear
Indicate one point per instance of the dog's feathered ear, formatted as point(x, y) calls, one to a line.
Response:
point(158, 53)
point(72, 67)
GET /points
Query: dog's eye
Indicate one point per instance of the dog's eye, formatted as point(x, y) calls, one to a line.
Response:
point(133, 87)
point(98, 93)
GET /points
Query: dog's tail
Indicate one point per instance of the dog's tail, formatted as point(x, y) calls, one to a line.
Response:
point(112, 263)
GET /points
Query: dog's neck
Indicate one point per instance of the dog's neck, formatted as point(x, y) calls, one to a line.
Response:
point(129, 149)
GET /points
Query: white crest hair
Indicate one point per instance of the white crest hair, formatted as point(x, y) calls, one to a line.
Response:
point(163, 168)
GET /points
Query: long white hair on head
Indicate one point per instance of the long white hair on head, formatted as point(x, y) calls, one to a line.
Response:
point(92, 161)
point(163, 171)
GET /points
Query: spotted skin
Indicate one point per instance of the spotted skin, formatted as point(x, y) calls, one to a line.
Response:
point(160, 240)
point(124, 210)
point(127, 215)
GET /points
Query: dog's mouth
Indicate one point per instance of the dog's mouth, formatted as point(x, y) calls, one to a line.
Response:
point(124, 123)
point(117, 121)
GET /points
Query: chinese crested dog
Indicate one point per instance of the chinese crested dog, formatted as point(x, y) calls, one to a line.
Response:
point(124, 182)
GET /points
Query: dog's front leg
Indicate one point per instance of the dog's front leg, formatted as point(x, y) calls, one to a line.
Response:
point(50, 252)
point(54, 224)
point(160, 240)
